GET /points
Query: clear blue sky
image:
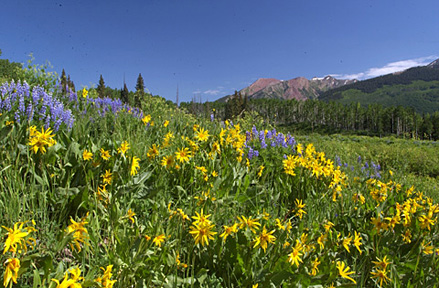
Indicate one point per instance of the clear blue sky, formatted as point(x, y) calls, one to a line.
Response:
point(211, 48)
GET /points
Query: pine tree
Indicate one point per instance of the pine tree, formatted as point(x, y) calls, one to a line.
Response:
point(124, 94)
point(101, 87)
point(70, 83)
point(140, 91)
point(140, 86)
point(63, 81)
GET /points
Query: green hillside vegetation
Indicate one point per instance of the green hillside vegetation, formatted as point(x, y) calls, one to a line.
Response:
point(416, 87)
point(422, 96)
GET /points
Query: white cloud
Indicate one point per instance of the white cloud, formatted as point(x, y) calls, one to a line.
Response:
point(212, 92)
point(388, 68)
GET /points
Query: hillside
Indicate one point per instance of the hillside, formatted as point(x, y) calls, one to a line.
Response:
point(416, 87)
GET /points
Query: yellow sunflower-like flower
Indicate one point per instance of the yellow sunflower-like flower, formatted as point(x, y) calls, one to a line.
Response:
point(168, 161)
point(123, 147)
point(252, 224)
point(344, 272)
point(158, 240)
point(264, 238)
point(39, 140)
point(183, 155)
point(105, 280)
point(202, 135)
point(134, 166)
point(80, 233)
point(17, 237)
point(105, 154)
point(87, 155)
point(11, 271)
point(202, 233)
point(228, 230)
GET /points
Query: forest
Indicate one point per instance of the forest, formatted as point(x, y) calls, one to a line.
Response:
point(327, 117)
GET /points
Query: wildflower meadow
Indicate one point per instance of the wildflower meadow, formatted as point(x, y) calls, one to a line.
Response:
point(95, 193)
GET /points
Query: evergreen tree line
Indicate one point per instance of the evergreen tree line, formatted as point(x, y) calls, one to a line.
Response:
point(331, 117)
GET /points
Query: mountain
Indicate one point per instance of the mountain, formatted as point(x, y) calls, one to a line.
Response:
point(298, 88)
point(416, 87)
point(434, 64)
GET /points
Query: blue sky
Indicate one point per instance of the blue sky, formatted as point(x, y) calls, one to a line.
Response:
point(211, 48)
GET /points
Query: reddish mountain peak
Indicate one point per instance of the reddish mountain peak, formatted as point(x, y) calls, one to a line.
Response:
point(260, 84)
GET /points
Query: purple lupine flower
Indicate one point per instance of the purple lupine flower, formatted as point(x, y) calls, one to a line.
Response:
point(30, 112)
point(250, 153)
point(269, 135)
point(263, 144)
point(338, 160)
point(254, 131)
point(212, 117)
point(359, 159)
point(262, 136)
point(290, 140)
point(255, 153)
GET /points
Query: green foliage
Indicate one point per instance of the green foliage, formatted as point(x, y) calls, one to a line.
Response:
point(162, 223)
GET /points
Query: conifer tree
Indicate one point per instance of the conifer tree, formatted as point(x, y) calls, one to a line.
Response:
point(140, 86)
point(70, 83)
point(63, 81)
point(140, 91)
point(124, 93)
point(101, 87)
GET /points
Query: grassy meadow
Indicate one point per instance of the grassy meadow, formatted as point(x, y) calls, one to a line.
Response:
point(95, 193)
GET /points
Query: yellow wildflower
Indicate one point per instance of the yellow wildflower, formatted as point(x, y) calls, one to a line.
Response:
point(261, 168)
point(252, 224)
point(107, 177)
point(183, 155)
point(381, 276)
point(16, 237)
point(299, 208)
point(11, 271)
point(146, 119)
point(105, 154)
point(84, 93)
point(202, 135)
point(39, 140)
point(134, 166)
point(314, 267)
point(105, 280)
point(123, 147)
point(228, 230)
point(153, 152)
point(294, 256)
point(86, 155)
point(357, 241)
point(80, 233)
point(264, 238)
point(168, 161)
point(202, 233)
point(158, 240)
point(344, 272)
point(201, 219)
point(130, 215)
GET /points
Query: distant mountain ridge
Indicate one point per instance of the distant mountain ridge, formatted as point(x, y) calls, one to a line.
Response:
point(298, 88)
point(416, 87)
